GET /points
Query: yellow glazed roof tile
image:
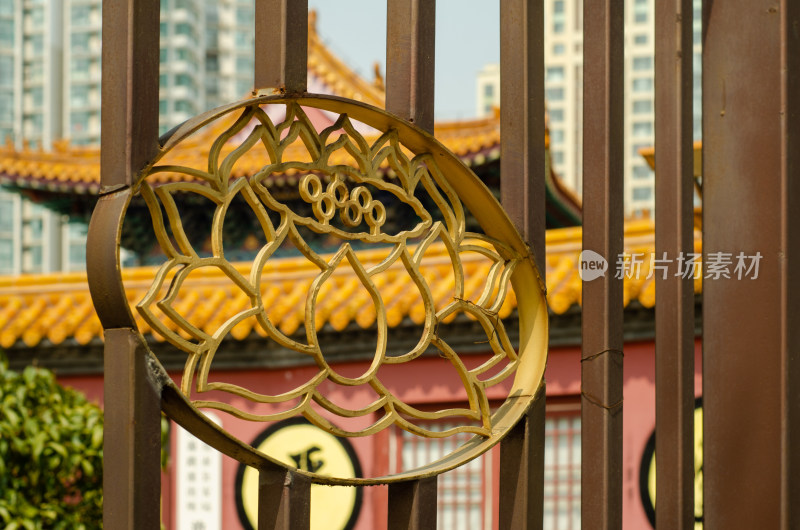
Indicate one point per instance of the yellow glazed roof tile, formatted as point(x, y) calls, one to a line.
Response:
point(57, 307)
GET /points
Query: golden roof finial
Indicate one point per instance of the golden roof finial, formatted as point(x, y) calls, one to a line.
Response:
point(61, 146)
point(378, 81)
point(312, 20)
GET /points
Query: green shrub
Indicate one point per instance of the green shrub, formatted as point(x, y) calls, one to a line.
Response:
point(51, 453)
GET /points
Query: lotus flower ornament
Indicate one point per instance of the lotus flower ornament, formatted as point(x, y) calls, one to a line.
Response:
point(349, 182)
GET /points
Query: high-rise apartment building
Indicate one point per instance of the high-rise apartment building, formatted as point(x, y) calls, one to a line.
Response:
point(50, 55)
point(564, 93)
point(32, 38)
point(182, 73)
point(50, 64)
point(80, 90)
point(229, 50)
point(31, 50)
point(564, 85)
point(8, 38)
point(488, 89)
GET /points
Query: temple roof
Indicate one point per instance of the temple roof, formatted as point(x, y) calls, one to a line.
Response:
point(51, 309)
point(76, 169)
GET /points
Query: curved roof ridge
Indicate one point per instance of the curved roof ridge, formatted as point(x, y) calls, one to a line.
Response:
point(335, 74)
point(491, 121)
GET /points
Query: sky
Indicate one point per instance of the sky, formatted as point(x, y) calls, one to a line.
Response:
point(467, 38)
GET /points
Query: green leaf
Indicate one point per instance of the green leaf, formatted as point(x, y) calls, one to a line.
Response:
point(58, 448)
point(87, 467)
point(38, 445)
point(97, 437)
point(12, 418)
point(28, 511)
point(29, 374)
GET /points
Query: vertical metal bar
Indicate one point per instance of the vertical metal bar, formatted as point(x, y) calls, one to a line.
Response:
point(281, 54)
point(601, 361)
point(751, 205)
point(284, 500)
point(674, 292)
point(522, 112)
point(522, 470)
point(129, 103)
point(790, 176)
point(132, 431)
point(410, 53)
point(522, 189)
point(412, 505)
point(129, 139)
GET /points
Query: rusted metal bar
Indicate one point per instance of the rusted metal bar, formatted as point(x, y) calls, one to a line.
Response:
point(751, 121)
point(601, 358)
point(129, 103)
point(522, 111)
point(674, 290)
point(412, 505)
point(132, 431)
point(284, 500)
point(410, 53)
point(281, 54)
point(522, 470)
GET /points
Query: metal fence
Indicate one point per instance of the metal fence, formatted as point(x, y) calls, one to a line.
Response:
point(751, 126)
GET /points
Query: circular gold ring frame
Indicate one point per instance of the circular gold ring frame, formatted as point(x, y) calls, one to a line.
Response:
point(526, 281)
